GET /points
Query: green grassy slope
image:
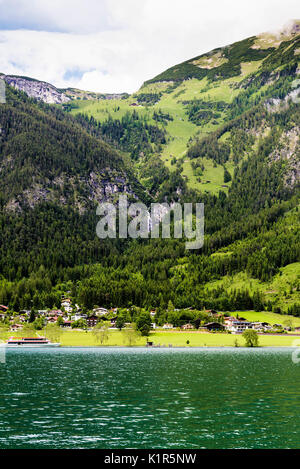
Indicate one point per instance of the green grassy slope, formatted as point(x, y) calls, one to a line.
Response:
point(234, 78)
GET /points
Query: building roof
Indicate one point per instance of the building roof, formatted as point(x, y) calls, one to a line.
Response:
point(214, 324)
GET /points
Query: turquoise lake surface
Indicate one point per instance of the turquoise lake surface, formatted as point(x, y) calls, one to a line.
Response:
point(149, 398)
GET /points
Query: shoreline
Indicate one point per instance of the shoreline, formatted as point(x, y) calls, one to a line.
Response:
point(173, 339)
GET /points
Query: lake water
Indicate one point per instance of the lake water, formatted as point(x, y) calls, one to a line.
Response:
point(141, 398)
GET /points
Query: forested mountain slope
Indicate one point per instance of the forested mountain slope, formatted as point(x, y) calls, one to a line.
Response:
point(46, 156)
point(222, 128)
point(205, 95)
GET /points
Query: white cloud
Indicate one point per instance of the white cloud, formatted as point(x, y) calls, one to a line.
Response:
point(115, 45)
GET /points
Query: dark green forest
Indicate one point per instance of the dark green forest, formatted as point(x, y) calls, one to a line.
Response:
point(53, 166)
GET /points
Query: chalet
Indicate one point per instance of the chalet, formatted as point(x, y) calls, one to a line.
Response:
point(168, 326)
point(66, 301)
point(152, 313)
point(42, 312)
point(54, 312)
point(214, 326)
point(52, 319)
point(187, 327)
point(229, 320)
point(92, 320)
point(3, 308)
point(261, 326)
point(66, 304)
point(239, 326)
point(67, 324)
point(100, 311)
point(78, 316)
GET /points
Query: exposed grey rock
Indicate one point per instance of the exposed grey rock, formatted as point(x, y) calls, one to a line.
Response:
point(289, 150)
point(37, 89)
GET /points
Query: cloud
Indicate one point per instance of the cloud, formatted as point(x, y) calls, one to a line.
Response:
point(71, 16)
point(115, 45)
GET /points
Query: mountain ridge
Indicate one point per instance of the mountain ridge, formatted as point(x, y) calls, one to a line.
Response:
point(231, 142)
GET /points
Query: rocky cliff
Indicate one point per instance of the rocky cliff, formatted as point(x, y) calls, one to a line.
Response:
point(37, 89)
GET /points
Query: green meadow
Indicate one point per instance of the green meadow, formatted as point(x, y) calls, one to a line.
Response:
point(175, 339)
point(179, 130)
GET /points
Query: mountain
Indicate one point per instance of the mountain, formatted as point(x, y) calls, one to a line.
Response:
point(202, 96)
point(230, 61)
point(47, 156)
point(49, 94)
point(221, 128)
point(36, 89)
point(53, 175)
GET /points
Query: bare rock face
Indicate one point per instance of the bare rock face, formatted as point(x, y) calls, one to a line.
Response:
point(37, 89)
point(289, 150)
point(96, 188)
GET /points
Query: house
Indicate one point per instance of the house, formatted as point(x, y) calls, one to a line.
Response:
point(168, 326)
point(239, 326)
point(261, 326)
point(42, 312)
point(55, 312)
point(52, 319)
point(92, 320)
point(187, 327)
point(2, 316)
point(100, 311)
point(78, 316)
point(67, 324)
point(152, 313)
point(279, 326)
point(297, 329)
point(16, 327)
point(153, 325)
point(3, 308)
point(66, 301)
point(214, 326)
point(228, 322)
point(66, 304)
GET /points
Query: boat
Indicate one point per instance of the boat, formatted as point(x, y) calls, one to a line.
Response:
point(30, 342)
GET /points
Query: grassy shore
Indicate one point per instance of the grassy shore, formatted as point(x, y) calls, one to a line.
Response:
point(176, 339)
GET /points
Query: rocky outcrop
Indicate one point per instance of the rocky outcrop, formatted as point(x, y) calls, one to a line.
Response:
point(289, 150)
point(96, 188)
point(36, 89)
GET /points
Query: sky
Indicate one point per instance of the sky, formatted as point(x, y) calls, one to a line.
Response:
point(115, 45)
